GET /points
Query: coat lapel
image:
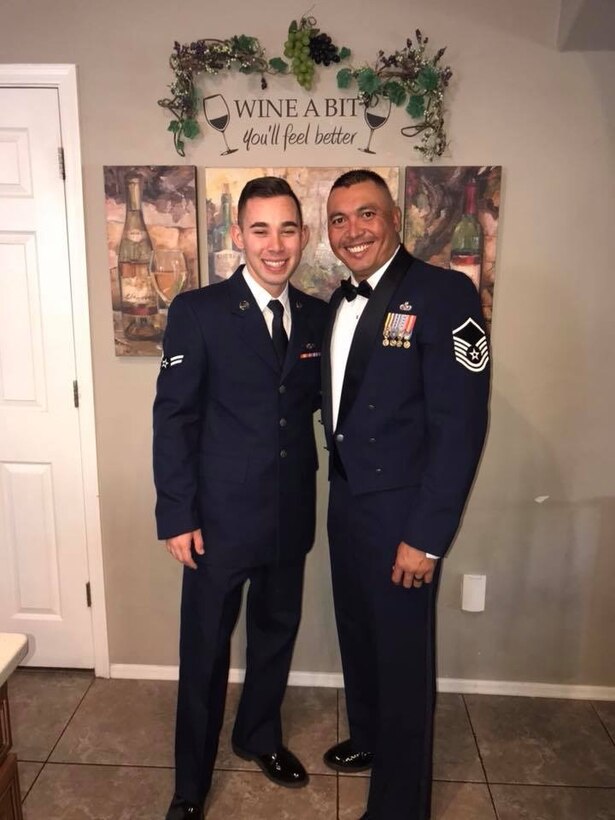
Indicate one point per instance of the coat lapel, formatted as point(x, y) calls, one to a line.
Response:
point(369, 329)
point(327, 408)
point(250, 320)
point(300, 329)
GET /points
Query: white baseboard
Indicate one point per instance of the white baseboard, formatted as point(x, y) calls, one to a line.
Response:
point(527, 689)
point(136, 671)
point(462, 686)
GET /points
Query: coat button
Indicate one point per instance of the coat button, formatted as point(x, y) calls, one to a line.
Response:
point(283, 422)
point(282, 388)
point(339, 437)
point(372, 440)
point(283, 453)
point(371, 406)
point(378, 470)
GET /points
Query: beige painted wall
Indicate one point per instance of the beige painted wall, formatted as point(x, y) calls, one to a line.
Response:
point(549, 119)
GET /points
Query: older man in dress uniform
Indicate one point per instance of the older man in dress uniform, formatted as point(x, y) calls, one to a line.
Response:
point(405, 390)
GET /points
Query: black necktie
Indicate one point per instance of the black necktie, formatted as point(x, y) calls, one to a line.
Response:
point(351, 291)
point(278, 334)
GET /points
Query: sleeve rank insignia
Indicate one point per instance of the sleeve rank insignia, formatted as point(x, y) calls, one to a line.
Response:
point(171, 361)
point(470, 346)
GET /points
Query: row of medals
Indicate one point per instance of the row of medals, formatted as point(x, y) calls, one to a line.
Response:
point(398, 330)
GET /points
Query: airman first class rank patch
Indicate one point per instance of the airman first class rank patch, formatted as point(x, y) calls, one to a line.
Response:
point(170, 361)
point(470, 345)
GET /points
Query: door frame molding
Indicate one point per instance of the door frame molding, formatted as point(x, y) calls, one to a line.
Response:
point(63, 77)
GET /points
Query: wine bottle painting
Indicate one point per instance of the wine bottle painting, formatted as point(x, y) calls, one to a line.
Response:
point(451, 219)
point(319, 272)
point(218, 116)
point(152, 248)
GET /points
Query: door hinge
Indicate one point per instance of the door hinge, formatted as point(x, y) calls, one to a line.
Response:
point(61, 165)
point(76, 393)
point(88, 594)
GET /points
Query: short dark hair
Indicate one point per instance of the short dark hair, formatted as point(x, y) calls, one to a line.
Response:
point(266, 188)
point(360, 175)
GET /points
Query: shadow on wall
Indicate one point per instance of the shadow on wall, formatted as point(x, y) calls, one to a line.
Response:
point(549, 561)
point(525, 549)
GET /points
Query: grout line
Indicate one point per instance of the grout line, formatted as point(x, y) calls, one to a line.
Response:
point(478, 751)
point(553, 786)
point(480, 757)
point(493, 806)
point(46, 761)
point(331, 775)
point(23, 796)
point(157, 767)
point(107, 765)
point(68, 722)
point(604, 726)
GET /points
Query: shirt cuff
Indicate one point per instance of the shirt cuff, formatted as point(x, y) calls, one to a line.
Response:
point(435, 557)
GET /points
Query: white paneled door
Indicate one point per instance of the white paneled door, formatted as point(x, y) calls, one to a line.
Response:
point(43, 555)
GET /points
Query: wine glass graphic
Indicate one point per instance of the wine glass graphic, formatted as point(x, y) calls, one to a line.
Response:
point(168, 272)
point(218, 116)
point(376, 113)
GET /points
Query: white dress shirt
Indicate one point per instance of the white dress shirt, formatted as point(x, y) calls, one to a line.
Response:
point(262, 299)
point(346, 321)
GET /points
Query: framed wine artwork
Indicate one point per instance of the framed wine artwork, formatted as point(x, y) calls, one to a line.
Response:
point(451, 219)
point(153, 249)
point(320, 271)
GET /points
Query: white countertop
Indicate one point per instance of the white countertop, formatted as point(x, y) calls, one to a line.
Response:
point(13, 649)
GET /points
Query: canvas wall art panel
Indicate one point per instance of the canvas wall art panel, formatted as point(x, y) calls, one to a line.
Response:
point(451, 219)
point(320, 271)
point(152, 244)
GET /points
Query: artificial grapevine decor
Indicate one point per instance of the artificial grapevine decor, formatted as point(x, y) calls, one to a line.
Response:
point(407, 77)
point(307, 48)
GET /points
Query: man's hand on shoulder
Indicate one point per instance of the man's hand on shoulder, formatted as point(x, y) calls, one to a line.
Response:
point(180, 547)
point(412, 567)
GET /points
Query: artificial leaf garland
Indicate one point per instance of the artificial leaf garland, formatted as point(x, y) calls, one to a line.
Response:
point(407, 77)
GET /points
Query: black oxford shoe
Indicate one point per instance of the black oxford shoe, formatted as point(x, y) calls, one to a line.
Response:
point(183, 810)
point(282, 767)
point(344, 758)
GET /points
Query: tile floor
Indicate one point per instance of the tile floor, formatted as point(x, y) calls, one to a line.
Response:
point(102, 750)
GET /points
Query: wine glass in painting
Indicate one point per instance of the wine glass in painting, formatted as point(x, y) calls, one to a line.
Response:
point(218, 116)
point(168, 272)
point(376, 113)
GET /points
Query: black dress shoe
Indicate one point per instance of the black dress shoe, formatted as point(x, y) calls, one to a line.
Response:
point(183, 810)
point(282, 767)
point(344, 758)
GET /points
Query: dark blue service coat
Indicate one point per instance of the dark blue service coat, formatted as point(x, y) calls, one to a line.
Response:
point(234, 450)
point(414, 416)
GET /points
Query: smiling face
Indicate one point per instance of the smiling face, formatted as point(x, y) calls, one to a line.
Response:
point(364, 225)
point(272, 238)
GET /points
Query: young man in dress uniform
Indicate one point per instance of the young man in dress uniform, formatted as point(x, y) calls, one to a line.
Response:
point(405, 391)
point(234, 466)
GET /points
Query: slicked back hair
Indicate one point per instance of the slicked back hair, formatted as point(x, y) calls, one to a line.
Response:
point(266, 188)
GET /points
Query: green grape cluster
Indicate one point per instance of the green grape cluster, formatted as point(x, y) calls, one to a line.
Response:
point(297, 49)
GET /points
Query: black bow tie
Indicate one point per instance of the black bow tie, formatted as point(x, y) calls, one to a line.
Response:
point(351, 291)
